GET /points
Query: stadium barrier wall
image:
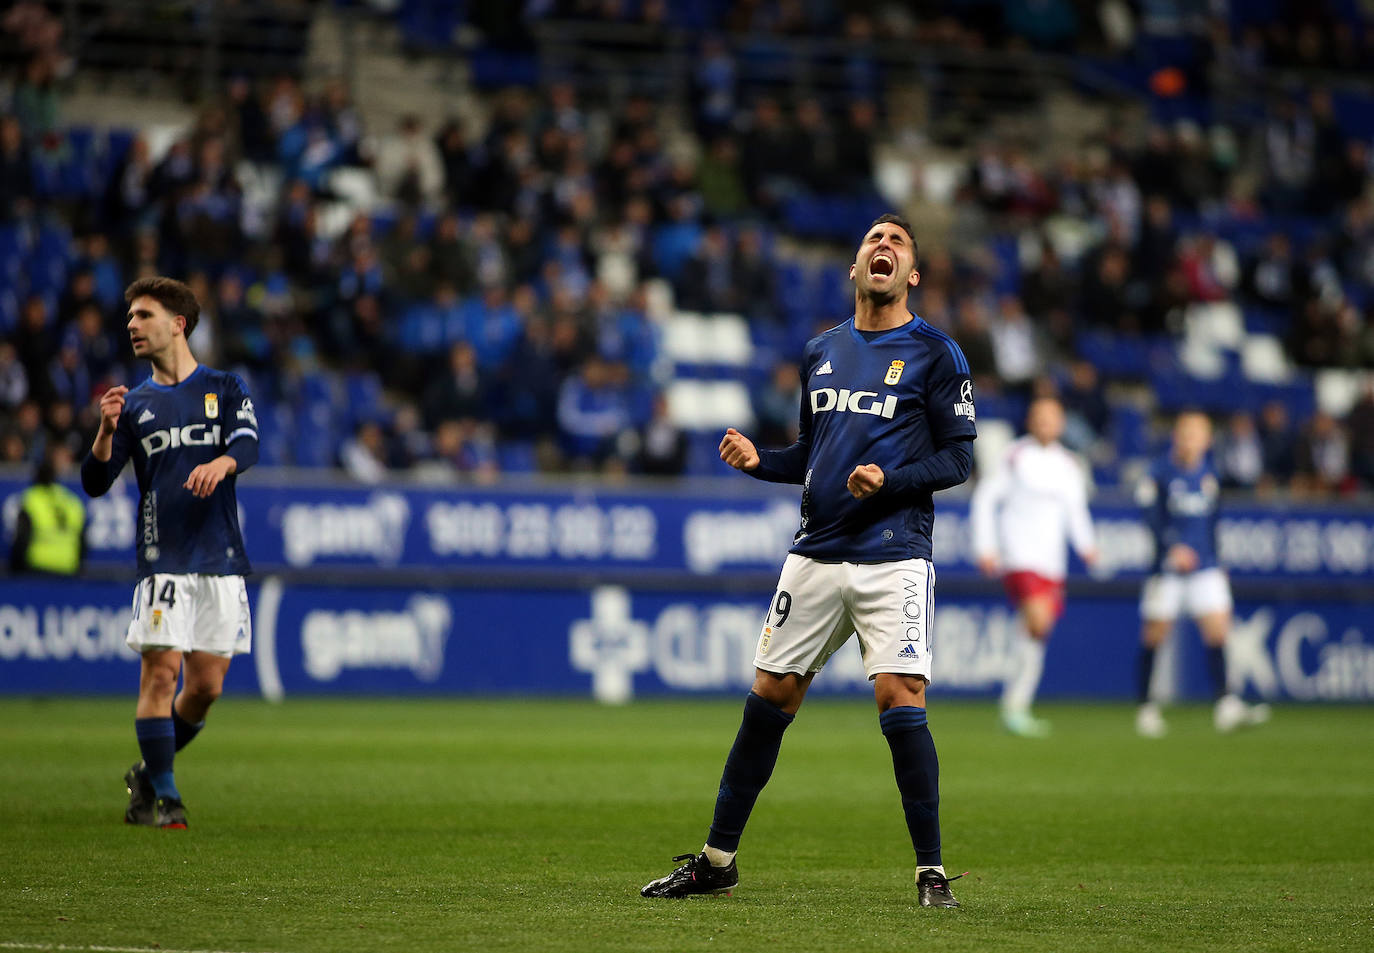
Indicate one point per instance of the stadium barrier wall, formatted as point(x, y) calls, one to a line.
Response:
point(612, 642)
point(614, 593)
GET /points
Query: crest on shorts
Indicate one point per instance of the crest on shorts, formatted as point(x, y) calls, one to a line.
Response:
point(212, 405)
point(767, 637)
point(157, 620)
point(894, 372)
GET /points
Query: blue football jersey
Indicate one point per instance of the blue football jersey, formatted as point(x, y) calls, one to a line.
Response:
point(1181, 507)
point(892, 398)
point(168, 431)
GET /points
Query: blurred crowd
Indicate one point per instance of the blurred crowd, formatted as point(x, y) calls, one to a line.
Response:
point(502, 313)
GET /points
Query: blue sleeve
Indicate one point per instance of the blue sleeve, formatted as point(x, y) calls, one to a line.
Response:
point(97, 476)
point(241, 440)
point(949, 396)
point(946, 467)
point(1152, 495)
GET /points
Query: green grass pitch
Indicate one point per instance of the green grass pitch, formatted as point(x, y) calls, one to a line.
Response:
point(531, 824)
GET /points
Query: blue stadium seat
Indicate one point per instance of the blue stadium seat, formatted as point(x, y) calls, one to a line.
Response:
point(277, 433)
point(672, 245)
point(110, 154)
point(497, 69)
point(1130, 430)
point(1264, 321)
point(516, 456)
point(364, 397)
point(1123, 356)
point(1007, 253)
point(703, 455)
point(9, 308)
point(316, 440)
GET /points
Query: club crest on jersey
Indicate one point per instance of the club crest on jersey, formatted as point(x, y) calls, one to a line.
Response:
point(157, 620)
point(212, 405)
point(894, 372)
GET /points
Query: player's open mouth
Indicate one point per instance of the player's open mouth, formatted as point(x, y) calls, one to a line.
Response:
point(135, 342)
point(881, 265)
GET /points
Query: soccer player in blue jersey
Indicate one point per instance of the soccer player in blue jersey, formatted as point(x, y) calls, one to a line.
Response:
point(190, 431)
point(1179, 497)
point(887, 419)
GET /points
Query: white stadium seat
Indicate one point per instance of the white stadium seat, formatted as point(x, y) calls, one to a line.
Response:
point(709, 405)
point(1338, 389)
point(728, 341)
point(1219, 323)
point(1262, 359)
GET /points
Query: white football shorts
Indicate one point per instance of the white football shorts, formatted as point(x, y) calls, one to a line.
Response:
point(818, 606)
point(191, 612)
point(1167, 596)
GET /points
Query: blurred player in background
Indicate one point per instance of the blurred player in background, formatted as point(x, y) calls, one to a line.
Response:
point(887, 418)
point(1024, 513)
point(1180, 498)
point(190, 431)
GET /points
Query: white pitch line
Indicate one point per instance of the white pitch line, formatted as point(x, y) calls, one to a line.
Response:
point(10, 945)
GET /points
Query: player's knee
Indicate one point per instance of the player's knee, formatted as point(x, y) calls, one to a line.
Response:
point(785, 691)
point(1154, 634)
point(896, 691)
point(203, 694)
point(158, 682)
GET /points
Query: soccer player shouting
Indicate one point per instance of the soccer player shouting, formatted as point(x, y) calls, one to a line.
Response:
point(887, 418)
point(1023, 512)
point(190, 430)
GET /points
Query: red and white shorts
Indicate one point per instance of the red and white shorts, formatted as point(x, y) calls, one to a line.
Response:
point(1022, 585)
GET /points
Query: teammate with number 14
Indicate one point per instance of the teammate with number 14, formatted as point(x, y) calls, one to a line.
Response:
point(190, 430)
point(887, 419)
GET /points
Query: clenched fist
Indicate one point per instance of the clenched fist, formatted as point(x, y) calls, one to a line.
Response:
point(866, 480)
point(738, 450)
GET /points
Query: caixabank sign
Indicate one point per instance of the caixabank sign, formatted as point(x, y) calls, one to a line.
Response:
point(617, 643)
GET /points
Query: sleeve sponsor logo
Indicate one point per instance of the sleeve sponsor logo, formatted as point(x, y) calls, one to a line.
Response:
point(963, 407)
point(245, 412)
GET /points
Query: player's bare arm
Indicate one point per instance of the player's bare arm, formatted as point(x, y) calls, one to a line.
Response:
point(111, 406)
point(738, 450)
point(865, 480)
point(206, 477)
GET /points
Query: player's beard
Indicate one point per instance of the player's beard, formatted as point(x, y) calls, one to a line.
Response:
point(881, 298)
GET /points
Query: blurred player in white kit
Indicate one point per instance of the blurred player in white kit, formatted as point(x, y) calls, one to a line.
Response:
point(1024, 515)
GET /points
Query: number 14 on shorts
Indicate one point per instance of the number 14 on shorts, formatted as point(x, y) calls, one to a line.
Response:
point(154, 597)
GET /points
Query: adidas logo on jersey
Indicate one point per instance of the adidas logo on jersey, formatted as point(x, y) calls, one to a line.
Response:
point(908, 652)
point(146, 416)
point(855, 402)
point(824, 369)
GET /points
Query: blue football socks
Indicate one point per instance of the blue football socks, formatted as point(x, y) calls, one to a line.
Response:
point(747, 769)
point(918, 778)
point(158, 743)
point(1216, 669)
point(1144, 672)
point(185, 730)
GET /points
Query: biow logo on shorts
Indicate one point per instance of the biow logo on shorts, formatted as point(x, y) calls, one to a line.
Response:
point(856, 402)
